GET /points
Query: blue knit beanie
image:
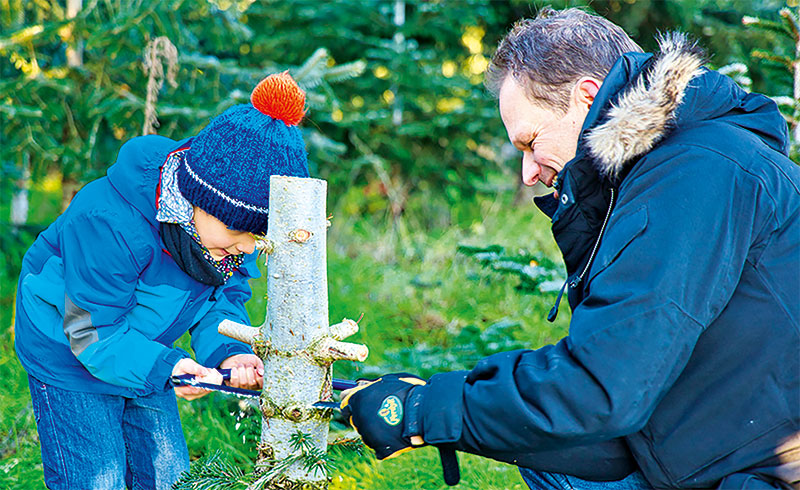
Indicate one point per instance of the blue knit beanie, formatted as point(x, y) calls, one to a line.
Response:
point(226, 171)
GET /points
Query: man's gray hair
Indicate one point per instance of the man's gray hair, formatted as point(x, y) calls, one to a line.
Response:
point(549, 54)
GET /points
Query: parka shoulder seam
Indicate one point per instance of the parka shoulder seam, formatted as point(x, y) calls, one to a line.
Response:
point(136, 241)
point(663, 305)
point(699, 146)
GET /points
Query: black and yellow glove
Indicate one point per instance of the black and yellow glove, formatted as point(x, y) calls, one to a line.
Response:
point(385, 412)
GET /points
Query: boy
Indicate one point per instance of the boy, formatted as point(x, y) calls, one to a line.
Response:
point(161, 245)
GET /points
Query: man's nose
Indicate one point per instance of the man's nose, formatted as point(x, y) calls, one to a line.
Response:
point(530, 169)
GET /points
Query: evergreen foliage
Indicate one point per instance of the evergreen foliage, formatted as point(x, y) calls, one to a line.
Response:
point(213, 472)
point(785, 59)
point(408, 114)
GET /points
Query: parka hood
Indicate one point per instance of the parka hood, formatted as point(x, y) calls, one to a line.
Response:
point(135, 174)
point(675, 91)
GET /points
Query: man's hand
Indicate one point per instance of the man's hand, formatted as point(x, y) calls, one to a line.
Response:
point(202, 373)
point(377, 410)
point(247, 371)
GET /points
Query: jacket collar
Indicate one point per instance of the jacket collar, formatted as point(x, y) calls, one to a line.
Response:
point(635, 118)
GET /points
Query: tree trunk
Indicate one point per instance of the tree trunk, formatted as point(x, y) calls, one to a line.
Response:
point(19, 202)
point(74, 52)
point(296, 343)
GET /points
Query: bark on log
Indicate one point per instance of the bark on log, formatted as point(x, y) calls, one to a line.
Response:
point(297, 287)
point(296, 342)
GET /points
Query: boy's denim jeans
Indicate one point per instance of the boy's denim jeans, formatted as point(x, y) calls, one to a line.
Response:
point(93, 441)
point(539, 480)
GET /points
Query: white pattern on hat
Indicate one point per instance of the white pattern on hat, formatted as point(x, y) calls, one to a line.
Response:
point(218, 192)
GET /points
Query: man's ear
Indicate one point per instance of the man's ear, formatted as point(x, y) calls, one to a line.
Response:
point(585, 91)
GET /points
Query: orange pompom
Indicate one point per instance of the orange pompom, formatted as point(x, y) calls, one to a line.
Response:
point(279, 97)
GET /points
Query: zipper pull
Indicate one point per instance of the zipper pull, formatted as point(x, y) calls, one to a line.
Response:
point(572, 283)
point(551, 317)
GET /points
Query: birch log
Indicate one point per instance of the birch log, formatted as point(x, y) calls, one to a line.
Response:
point(296, 342)
point(297, 314)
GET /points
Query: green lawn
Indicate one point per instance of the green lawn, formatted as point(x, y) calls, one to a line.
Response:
point(426, 309)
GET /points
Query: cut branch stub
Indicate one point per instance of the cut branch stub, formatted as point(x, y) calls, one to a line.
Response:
point(344, 329)
point(238, 331)
point(329, 350)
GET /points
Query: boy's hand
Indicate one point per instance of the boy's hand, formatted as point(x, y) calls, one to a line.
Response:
point(202, 373)
point(247, 371)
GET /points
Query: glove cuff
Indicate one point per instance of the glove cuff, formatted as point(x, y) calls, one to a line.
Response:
point(413, 404)
point(439, 408)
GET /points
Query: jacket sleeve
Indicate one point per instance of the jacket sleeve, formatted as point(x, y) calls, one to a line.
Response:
point(671, 258)
point(211, 347)
point(101, 270)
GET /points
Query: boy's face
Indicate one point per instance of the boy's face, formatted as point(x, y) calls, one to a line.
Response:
point(220, 240)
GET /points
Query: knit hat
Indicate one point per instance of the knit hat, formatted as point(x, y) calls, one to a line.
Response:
point(226, 171)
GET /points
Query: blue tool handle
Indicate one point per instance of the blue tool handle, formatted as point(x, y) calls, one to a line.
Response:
point(338, 384)
point(183, 380)
point(343, 384)
point(327, 405)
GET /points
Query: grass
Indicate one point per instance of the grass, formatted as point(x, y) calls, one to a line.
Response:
point(426, 309)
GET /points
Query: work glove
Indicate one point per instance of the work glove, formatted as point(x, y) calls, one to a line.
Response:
point(385, 412)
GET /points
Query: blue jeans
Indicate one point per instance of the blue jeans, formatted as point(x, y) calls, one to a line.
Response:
point(539, 480)
point(93, 441)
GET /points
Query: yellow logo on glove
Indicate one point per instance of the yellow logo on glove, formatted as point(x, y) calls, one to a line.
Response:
point(391, 410)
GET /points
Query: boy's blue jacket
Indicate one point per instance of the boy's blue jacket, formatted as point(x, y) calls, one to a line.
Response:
point(684, 342)
point(100, 302)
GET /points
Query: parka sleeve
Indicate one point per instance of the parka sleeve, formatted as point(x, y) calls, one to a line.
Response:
point(211, 347)
point(101, 270)
point(667, 266)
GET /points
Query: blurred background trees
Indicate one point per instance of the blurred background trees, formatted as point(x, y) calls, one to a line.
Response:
point(395, 86)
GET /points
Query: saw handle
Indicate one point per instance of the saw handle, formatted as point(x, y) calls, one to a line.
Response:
point(338, 384)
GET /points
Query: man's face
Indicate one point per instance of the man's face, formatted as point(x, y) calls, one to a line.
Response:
point(220, 240)
point(547, 139)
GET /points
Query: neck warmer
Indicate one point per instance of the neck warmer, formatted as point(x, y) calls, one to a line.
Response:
point(189, 255)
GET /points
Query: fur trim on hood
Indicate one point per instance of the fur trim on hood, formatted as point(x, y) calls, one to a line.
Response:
point(644, 113)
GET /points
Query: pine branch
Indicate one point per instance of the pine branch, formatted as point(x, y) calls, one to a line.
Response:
point(315, 62)
point(347, 71)
point(275, 470)
point(21, 111)
point(350, 444)
point(793, 22)
point(212, 473)
point(767, 25)
point(766, 56)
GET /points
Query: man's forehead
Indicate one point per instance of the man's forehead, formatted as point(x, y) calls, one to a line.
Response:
point(510, 89)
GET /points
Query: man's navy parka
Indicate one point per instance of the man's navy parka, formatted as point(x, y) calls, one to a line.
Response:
point(684, 342)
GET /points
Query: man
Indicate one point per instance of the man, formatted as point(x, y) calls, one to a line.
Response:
point(676, 210)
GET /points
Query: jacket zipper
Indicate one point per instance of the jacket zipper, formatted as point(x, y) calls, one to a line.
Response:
point(577, 280)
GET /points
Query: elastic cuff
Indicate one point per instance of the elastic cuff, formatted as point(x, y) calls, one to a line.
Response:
point(442, 408)
point(158, 377)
